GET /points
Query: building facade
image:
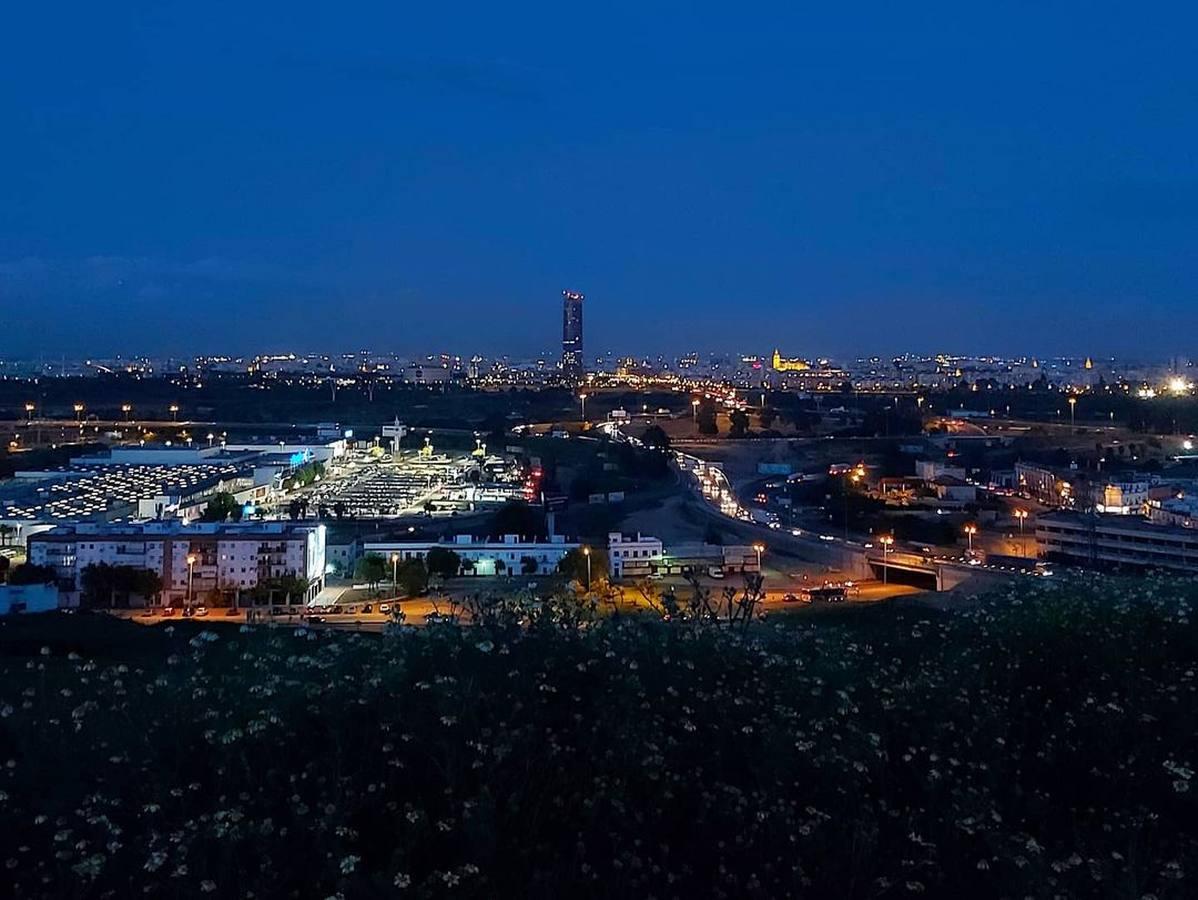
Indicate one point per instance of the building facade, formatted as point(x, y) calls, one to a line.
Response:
point(192, 560)
point(632, 557)
point(1116, 540)
point(483, 556)
point(572, 351)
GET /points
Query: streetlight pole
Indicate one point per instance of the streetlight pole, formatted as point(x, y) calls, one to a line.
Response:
point(1072, 408)
point(583, 398)
point(586, 551)
point(1020, 516)
point(191, 565)
point(759, 548)
point(126, 408)
point(886, 540)
point(970, 531)
point(394, 574)
point(79, 413)
point(29, 408)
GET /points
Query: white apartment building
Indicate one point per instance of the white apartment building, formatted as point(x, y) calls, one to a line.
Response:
point(483, 556)
point(632, 557)
point(229, 557)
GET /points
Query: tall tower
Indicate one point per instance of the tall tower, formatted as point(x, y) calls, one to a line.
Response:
point(572, 359)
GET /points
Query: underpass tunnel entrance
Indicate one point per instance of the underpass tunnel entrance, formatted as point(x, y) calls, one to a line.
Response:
point(925, 581)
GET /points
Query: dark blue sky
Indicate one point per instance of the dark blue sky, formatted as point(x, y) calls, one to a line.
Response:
point(832, 178)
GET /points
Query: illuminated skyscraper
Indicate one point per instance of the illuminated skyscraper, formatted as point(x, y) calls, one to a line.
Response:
point(572, 360)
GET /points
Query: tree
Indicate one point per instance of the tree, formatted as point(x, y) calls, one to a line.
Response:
point(102, 585)
point(340, 510)
point(574, 565)
point(372, 569)
point(4, 567)
point(221, 507)
point(528, 565)
point(767, 416)
point(298, 508)
point(412, 577)
point(656, 438)
point(739, 423)
point(32, 574)
point(443, 562)
point(707, 418)
point(6, 531)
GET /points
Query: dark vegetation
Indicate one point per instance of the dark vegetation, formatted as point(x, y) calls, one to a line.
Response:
point(1039, 744)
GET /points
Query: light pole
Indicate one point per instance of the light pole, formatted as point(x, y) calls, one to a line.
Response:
point(79, 413)
point(583, 398)
point(1072, 408)
point(695, 410)
point(394, 574)
point(1021, 516)
point(174, 412)
point(970, 531)
point(759, 548)
point(586, 551)
point(191, 565)
point(29, 408)
point(211, 438)
point(126, 408)
point(886, 540)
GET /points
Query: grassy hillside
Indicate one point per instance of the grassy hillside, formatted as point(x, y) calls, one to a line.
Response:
point(1040, 744)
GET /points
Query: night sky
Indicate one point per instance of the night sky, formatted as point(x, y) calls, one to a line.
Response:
point(833, 178)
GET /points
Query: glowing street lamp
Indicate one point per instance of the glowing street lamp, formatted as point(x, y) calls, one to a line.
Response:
point(126, 408)
point(79, 412)
point(211, 438)
point(1072, 407)
point(29, 408)
point(1021, 515)
point(583, 398)
point(970, 531)
point(695, 410)
point(759, 548)
point(586, 551)
point(395, 574)
point(174, 408)
point(886, 540)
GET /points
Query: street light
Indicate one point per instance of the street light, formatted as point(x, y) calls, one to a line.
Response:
point(1072, 407)
point(586, 551)
point(79, 412)
point(174, 407)
point(191, 564)
point(126, 408)
point(583, 398)
point(695, 410)
point(886, 540)
point(970, 531)
point(29, 408)
point(760, 548)
point(394, 574)
point(1021, 516)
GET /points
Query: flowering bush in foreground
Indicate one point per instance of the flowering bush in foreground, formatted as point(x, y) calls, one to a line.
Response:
point(1041, 743)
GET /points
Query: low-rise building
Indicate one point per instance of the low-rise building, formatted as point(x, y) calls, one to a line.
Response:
point(632, 557)
point(27, 598)
point(1116, 540)
point(484, 556)
point(193, 561)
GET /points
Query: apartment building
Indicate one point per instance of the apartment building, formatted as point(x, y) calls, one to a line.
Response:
point(191, 560)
